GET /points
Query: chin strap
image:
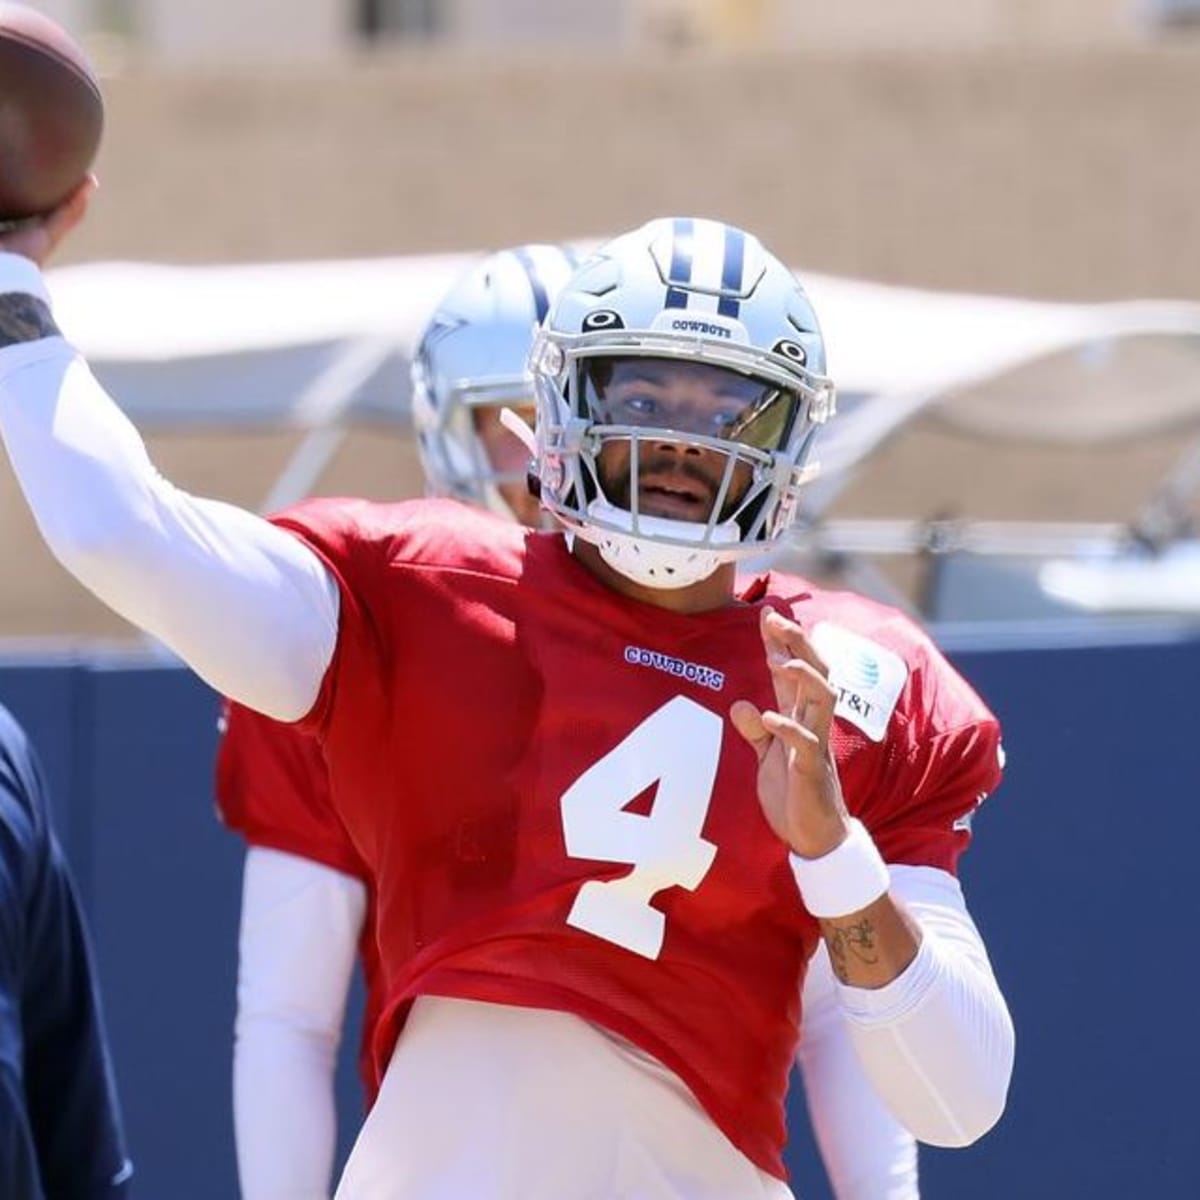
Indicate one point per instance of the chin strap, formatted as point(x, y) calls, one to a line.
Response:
point(650, 562)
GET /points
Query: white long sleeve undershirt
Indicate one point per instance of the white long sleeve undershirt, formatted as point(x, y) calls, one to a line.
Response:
point(250, 608)
point(300, 927)
point(938, 1041)
point(255, 613)
point(866, 1151)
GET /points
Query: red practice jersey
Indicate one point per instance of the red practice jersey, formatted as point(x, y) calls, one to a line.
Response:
point(542, 777)
point(273, 788)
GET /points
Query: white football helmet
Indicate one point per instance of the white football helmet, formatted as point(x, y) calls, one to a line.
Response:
point(474, 352)
point(688, 291)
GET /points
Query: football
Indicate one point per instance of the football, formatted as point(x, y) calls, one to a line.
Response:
point(51, 113)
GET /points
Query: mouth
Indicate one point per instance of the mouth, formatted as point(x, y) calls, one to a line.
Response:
point(676, 496)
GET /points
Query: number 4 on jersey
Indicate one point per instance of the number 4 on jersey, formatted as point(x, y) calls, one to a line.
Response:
point(677, 747)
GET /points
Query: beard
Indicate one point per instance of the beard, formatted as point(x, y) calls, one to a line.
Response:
point(696, 482)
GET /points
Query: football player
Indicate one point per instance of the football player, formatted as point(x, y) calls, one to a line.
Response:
point(611, 802)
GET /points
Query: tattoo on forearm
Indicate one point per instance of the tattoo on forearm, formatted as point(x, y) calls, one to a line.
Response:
point(855, 941)
point(24, 319)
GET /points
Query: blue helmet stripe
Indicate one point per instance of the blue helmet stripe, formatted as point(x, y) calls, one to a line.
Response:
point(537, 285)
point(731, 272)
point(681, 262)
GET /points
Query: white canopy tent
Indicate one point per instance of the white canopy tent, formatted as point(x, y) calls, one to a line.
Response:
point(320, 346)
point(175, 320)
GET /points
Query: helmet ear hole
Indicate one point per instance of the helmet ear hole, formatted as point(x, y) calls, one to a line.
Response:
point(792, 351)
point(602, 318)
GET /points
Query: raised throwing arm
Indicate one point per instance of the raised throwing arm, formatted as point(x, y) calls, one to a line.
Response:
point(250, 608)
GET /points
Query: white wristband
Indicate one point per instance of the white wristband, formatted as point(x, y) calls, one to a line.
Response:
point(848, 878)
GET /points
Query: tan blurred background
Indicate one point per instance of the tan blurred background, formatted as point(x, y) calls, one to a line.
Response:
point(1040, 148)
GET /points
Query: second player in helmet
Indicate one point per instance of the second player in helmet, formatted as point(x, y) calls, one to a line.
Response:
point(471, 362)
point(308, 903)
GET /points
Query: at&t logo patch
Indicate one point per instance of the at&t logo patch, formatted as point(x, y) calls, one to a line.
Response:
point(867, 677)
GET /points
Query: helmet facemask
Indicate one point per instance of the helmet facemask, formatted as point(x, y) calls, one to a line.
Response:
point(672, 463)
point(736, 349)
point(454, 450)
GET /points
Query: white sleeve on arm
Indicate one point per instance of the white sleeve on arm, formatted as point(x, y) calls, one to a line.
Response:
point(246, 605)
point(868, 1154)
point(299, 939)
point(937, 1043)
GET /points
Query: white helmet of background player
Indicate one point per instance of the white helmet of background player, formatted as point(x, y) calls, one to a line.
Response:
point(474, 354)
point(688, 291)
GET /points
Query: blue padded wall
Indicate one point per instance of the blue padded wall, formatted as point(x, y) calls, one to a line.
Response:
point(1081, 877)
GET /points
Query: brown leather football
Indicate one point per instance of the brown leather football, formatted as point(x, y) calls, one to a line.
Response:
point(51, 113)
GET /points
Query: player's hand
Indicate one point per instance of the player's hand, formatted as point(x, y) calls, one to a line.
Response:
point(798, 785)
point(39, 237)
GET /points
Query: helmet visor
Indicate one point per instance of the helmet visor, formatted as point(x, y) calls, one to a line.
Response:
point(692, 399)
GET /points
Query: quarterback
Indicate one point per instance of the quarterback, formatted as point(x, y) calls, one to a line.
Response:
point(611, 798)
